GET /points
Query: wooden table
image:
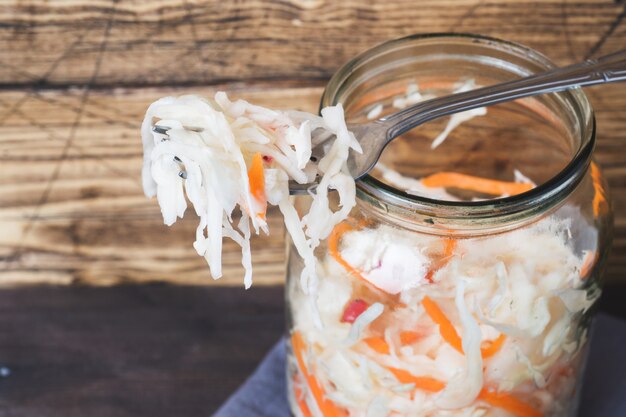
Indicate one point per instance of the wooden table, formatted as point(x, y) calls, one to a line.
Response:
point(106, 312)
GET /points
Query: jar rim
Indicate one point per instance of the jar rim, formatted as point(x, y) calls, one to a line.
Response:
point(506, 209)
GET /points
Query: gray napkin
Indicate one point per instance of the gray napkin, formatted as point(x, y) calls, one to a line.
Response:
point(603, 394)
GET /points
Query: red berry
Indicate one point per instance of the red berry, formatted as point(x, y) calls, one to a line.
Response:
point(353, 310)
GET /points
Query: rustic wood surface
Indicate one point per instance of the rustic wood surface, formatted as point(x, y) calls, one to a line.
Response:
point(76, 77)
point(131, 351)
point(143, 350)
point(166, 42)
point(71, 205)
point(72, 209)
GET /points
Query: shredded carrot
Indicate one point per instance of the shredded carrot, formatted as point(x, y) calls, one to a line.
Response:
point(378, 344)
point(429, 275)
point(600, 204)
point(470, 182)
point(424, 383)
point(509, 403)
point(256, 180)
point(408, 337)
point(327, 407)
point(450, 335)
point(333, 247)
point(256, 177)
point(585, 269)
point(300, 399)
point(446, 329)
point(496, 399)
point(492, 347)
point(448, 249)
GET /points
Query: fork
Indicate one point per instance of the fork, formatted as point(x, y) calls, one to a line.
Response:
point(376, 135)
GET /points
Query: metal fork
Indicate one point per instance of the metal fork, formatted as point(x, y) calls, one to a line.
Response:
point(376, 135)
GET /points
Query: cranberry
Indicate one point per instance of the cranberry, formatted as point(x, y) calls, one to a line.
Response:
point(353, 310)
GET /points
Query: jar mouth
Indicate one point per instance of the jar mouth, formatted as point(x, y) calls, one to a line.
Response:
point(504, 209)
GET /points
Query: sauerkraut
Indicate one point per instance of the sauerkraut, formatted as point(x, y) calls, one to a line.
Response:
point(413, 96)
point(232, 158)
point(420, 325)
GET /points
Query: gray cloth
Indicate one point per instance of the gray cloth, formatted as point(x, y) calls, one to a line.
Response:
point(603, 394)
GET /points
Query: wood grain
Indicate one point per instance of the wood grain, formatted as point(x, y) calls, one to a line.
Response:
point(168, 350)
point(72, 209)
point(71, 205)
point(172, 42)
point(76, 77)
point(131, 351)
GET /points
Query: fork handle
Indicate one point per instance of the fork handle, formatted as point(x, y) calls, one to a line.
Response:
point(607, 69)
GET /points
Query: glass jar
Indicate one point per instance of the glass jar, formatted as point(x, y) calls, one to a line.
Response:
point(464, 281)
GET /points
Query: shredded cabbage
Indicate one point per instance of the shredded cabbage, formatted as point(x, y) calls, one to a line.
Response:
point(522, 285)
point(378, 407)
point(361, 322)
point(411, 185)
point(458, 118)
point(413, 96)
point(375, 111)
point(203, 149)
point(464, 386)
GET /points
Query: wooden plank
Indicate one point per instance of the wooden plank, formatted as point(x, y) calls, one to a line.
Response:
point(166, 42)
point(71, 205)
point(128, 351)
point(72, 209)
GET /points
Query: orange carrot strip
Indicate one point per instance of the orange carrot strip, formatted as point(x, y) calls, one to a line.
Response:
point(588, 262)
point(256, 177)
point(448, 249)
point(469, 182)
point(408, 337)
point(429, 275)
point(300, 399)
point(425, 383)
point(328, 408)
point(256, 180)
point(449, 246)
point(449, 333)
point(509, 403)
point(600, 204)
point(378, 344)
point(492, 347)
point(446, 329)
point(333, 247)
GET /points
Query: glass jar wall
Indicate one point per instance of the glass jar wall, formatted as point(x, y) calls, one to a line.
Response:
point(464, 281)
